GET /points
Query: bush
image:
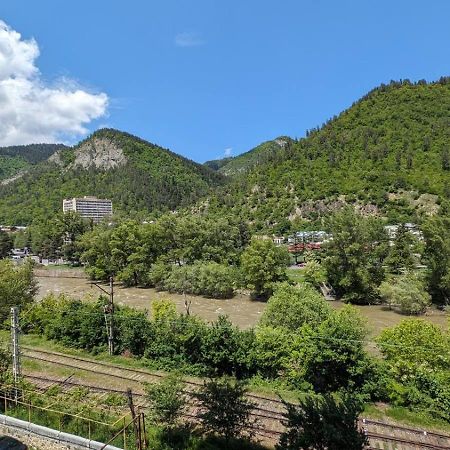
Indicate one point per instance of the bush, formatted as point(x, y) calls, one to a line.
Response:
point(224, 408)
point(17, 286)
point(332, 356)
point(314, 273)
point(417, 354)
point(271, 351)
point(226, 350)
point(167, 400)
point(407, 292)
point(292, 306)
point(323, 422)
point(210, 279)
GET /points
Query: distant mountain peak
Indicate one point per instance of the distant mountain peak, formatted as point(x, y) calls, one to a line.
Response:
point(246, 161)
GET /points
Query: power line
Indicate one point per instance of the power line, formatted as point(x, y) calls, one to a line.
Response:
point(187, 323)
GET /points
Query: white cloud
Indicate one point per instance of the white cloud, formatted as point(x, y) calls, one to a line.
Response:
point(228, 152)
point(188, 39)
point(32, 111)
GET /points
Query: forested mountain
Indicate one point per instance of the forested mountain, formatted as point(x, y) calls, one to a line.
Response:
point(388, 154)
point(241, 164)
point(17, 158)
point(216, 164)
point(137, 175)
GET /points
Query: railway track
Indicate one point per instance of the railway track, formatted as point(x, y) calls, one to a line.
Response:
point(268, 411)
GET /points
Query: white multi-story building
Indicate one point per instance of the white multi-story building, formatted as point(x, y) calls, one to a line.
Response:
point(89, 207)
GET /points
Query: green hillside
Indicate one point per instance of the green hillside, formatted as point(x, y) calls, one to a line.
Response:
point(241, 164)
point(216, 164)
point(138, 176)
point(16, 158)
point(11, 165)
point(388, 153)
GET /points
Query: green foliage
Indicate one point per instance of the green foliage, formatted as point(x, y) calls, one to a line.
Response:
point(10, 166)
point(17, 158)
point(59, 237)
point(323, 422)
point(248, 160)
point(314, 273)
point(6, 244)
point(333, 356)
point(291, 307)
point(210, 279)
point(180, 253)
point(224, 408)
point(5, 360)
point(263, 264)
point(436, 232)
point(416, 342)
point(354, 261)
point(393, 140)
point(271, 351)
point(167, 400)
point(225, 349)
point(17, 286)
point(216, 164)
point(190, 438)
point(418, 357)
point(32, 153)
point(401, 254)
point(150, 179)
point(407, 292)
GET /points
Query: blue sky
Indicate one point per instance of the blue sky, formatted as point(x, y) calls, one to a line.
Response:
point(205, 78)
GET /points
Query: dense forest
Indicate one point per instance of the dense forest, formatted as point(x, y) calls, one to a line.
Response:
point(388, 154)
point(16, 158)
point(138, 176)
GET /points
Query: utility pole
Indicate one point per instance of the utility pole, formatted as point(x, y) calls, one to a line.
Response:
point(108, 310)
point(137, 428)
point(17, 371)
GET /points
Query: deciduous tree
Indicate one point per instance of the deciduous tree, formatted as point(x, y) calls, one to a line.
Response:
point(262, 265)
point(323, 423)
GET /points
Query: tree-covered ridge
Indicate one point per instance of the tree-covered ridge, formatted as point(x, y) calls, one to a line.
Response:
point(16, 158)
point(32, 153)
point(216, 164)
point(385, 151)
point(241, 164)
point(11, 165)
point(150, 179)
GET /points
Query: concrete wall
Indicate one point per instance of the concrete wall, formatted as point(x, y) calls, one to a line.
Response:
point(44, 438)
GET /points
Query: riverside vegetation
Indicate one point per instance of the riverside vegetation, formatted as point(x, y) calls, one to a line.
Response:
point(384, 160)
point(319, 354)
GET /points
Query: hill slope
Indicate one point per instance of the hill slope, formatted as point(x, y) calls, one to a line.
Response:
point(389, 153)
point(241, 164)
point(137, 175)
point(17, 158)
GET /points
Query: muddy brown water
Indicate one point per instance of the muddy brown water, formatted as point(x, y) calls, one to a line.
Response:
point(241, 310)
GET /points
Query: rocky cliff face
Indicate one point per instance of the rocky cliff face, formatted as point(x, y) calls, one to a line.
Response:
point(101, 153)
